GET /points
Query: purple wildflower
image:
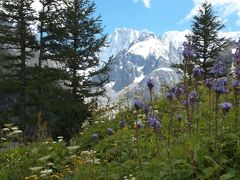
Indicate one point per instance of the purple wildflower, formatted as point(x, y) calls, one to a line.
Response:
point(153, 122)
point(226, 106)
point(197, 71)
point(220, 86)
point(170, 95)
point(110, 131)
point(185, 102)
point(150, 84)
point(122, 123)
point(146, 108)
point(236, 83)
point(237, 72)
point(223, 81)
point(217, 69)
point(137, 104)
point(179, 91)
point(179, 117)
point(193, 96)
point(209, 82)
point(95, 136)
point(188, 51)
point(139, 124)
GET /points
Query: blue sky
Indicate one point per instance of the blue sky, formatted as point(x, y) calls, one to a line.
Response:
point(163, 15)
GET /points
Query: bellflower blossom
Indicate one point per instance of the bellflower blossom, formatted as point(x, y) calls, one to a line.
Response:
point(237, 72)
point(209, 82)
point(139, 124)
point(146, 108)
point(197, 71)
point(220, 86)
point(170, 95)
point(217, 69)
point(236, 83)
point(179, 91)
point(223, 81)
point(150, 83)
point(188, 51)
point(153, 122)
point(193, 96)
point(110, 131)
point(185, 102)
point(95, 136)
point(179, 117)
point(122, 123)
point(137, 104)
point(226, 106)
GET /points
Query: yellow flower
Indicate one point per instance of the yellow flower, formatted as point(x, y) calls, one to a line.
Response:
point(67, 169)
point(55, 176)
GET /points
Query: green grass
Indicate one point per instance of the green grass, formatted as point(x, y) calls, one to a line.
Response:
point(132, 153)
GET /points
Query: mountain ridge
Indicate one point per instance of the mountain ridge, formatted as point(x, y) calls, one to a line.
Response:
point(140, 55)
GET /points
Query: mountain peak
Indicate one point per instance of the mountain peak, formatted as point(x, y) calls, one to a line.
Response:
point(139, 55)
point(174, 37)
point(121, 39)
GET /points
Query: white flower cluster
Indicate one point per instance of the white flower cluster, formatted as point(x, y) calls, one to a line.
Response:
point(10, 131)
point(129, 177)
point(88, 156)
point(60, 138)
point(85, 125)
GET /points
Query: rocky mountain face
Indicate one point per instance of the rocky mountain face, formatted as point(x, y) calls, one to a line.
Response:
point(140, 55)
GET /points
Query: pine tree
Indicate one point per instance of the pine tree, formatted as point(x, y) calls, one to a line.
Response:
point(44, 80)
point(207, 43)
point(44, 72)
point(84, 41)
point(17, 38)
point(74, 42)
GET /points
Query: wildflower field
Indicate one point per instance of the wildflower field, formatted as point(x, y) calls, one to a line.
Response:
point(190, 132)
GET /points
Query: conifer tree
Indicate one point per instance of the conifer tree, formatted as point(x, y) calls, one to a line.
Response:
point(45, 71)
point(76, 42)
point(84, 40)
point(17, 38)
point(207, 43)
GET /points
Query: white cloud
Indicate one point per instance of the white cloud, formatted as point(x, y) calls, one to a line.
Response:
point(147, 3)
point(224, 8)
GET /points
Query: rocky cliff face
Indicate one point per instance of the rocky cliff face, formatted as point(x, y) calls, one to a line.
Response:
point(140, 55)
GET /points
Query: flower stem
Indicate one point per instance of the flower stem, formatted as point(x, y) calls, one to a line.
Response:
point(219, 147)
point(157, 144)
point(236, 98)
point(189, 120)
point(210, 112)
point(106, 170)
point(216, 119)
point(170, 123)
point(138, 151)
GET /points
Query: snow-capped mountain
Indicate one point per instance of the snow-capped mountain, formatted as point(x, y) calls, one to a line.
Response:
point(121, 39)
point(140, 55)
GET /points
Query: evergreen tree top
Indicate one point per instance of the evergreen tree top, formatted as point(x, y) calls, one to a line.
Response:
point(205, 35)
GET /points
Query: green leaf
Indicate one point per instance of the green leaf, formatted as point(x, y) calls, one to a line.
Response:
point(227, 176)
point(210, 171)
point(211, 160)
